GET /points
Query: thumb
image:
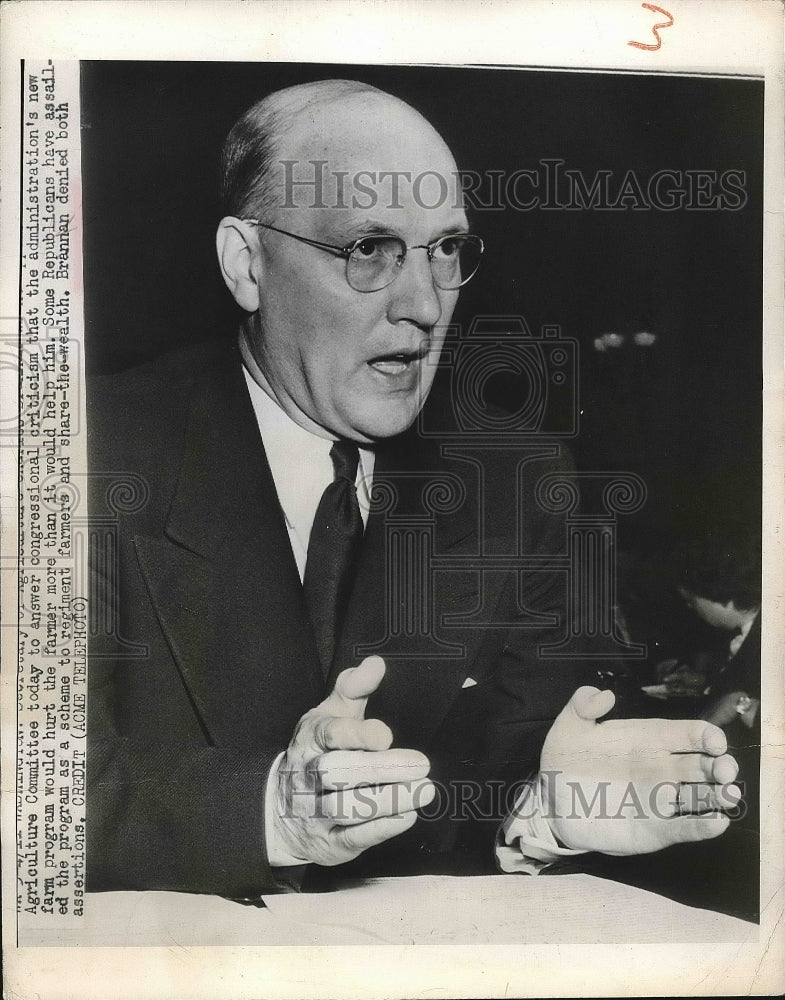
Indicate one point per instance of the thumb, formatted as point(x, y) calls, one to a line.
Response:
point(353, 688)
point(589, 703)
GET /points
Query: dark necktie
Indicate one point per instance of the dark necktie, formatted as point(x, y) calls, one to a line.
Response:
point(332, 551)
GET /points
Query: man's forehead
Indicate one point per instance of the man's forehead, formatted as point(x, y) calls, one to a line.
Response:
point(371, 128)
point(364, 142)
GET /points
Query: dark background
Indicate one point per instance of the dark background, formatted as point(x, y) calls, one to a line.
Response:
point(685, 413)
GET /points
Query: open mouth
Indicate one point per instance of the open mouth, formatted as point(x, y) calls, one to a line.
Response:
point(397, 363)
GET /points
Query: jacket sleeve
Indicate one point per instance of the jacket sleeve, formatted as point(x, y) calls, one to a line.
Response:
point(166, 809)
point(169, 806)
point(171, 817)
point(177, 772)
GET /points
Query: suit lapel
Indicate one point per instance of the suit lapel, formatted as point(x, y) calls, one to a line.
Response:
point(229, 599)
point(223, 578)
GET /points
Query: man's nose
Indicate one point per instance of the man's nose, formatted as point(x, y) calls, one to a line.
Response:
point(414, 296)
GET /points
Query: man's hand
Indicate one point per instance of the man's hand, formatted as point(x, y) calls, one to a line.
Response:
point(341, 789)
point(681, 678)
point(633, 786)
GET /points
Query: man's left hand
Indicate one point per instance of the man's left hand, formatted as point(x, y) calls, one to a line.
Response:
point(633, 786)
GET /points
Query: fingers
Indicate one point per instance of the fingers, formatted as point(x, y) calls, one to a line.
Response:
point(355, 839)
point(724, 769)
point(702, 767)
point(697, 735)
point(348, 769)
point(360, 805)
point(589, 703)
point(703, 797)
point(353, 688)
point(332, 732)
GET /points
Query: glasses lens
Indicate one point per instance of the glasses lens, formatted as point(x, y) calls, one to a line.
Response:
point(455, 259)
point(374, 263)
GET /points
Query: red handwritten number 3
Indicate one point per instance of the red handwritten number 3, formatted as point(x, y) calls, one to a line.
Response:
point(664, 24)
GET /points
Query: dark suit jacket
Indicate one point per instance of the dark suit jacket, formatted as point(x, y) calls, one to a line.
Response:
point(203, 659)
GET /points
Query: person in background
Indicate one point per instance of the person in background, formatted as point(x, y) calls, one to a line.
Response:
point(716, 570)
point(718, 576)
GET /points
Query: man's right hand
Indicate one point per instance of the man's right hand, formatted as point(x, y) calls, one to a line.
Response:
point(340, 788)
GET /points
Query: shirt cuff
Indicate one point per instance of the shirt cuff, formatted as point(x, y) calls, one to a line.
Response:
point(277, 854)
point(526, 842)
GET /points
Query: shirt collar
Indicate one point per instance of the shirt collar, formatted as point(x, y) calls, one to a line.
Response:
point(299, 460)
point(744, 630)
point(746, 626)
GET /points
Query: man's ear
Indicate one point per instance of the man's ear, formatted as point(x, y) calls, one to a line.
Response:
point(237, 247)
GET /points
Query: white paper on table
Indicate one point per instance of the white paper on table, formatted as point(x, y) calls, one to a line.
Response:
point(495, 909)
point(508, 909)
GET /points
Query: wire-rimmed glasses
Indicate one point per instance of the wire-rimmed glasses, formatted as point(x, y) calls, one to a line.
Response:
point(374, 262)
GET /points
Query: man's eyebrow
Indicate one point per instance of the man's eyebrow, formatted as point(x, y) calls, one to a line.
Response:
point(459, 229)
point(345, 232)
point(371, 226)
point(375, 227)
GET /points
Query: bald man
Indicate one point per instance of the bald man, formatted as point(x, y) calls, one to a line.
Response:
point(240, 734)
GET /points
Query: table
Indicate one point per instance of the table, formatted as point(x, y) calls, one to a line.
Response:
point(430, 909)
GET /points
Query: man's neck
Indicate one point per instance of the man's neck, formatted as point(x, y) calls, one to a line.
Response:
point(292, 411)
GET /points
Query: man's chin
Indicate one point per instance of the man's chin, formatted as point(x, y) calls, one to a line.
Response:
point(386, 421)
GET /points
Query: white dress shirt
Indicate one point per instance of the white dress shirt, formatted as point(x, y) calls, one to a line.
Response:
point(526, 843)
point(302, 469)
point(738, 640)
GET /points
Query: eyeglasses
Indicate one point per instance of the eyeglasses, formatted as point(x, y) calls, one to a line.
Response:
point(374, 262)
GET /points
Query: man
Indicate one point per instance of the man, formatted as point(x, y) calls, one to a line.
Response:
point(718, 572)
point(240, 735)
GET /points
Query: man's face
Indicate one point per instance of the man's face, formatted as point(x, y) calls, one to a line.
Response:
point(341, 362)
point(714, 613)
